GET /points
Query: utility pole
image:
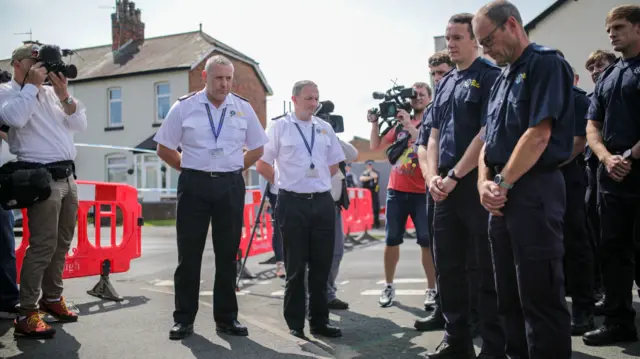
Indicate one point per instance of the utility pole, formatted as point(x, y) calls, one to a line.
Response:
point(26, 33)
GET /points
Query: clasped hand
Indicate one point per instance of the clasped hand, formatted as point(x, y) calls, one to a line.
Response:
point(492, 197)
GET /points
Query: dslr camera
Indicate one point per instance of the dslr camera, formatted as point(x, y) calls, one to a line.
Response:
point(394, 99)
point(324, 110)
point(51, 58)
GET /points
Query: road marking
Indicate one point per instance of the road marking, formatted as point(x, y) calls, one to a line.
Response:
point(398, 292)
point(405, 281)
point(278, 293)
point(344, 282)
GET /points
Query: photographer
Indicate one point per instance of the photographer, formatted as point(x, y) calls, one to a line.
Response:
point(42, 120)
point(406, 194)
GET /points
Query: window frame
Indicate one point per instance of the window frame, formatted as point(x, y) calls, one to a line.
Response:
point(110, 123)
point(125, 166)
point(157, 96)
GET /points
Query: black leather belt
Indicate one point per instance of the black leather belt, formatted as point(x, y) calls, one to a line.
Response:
point(61, 170)
point(213, 174)
point(311, 195)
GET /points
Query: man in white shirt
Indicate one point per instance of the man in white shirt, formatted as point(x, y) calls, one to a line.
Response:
point(42, 120)
point(305, 153)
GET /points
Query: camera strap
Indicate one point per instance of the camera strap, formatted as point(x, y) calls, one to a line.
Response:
point(216, 134)
point(306, 144)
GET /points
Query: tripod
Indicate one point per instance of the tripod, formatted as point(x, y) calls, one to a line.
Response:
point(242, 269)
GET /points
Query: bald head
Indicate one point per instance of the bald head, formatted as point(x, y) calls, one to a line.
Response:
point(499, 30)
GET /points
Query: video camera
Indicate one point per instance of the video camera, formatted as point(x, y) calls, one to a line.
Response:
point(51, 57)
point(324, 110)
point(395, 99)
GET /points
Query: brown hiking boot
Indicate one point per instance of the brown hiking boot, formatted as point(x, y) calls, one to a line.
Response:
point(58, 310)
point(32, 326)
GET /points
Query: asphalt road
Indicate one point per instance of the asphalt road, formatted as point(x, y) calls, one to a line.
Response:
point(138, 327)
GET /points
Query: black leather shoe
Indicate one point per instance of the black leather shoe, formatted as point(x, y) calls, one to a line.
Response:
point(299, 333)
point(337, 304)
point(456, 351)
point(610, 334)
point(582, 323)
point(435, 321)
point(180, 331)
point(232, 328)
point(326, 331)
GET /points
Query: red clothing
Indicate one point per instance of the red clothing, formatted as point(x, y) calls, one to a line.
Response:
point(406, 175)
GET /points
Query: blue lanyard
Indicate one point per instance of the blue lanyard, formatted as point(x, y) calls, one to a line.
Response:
point(216, 134)
point(313, 140)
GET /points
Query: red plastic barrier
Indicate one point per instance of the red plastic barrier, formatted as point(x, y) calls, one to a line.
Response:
point(264, 232)
point(410, 224)
point(87, 258)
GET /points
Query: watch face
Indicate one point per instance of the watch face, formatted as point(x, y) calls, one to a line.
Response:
point(497, 179)
point(451, 173)
point(626, 154)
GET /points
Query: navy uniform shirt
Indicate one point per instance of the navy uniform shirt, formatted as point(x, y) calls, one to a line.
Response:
point(537, 86)
point(616, 104)
point(588, 154)
point(459, 108)
point(581, 103)
point(425, 128)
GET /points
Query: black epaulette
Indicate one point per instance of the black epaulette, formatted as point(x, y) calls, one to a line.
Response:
point(488, 63)
point(545, 50)
point(240, 97)
point(281, 116)
point(182, 98)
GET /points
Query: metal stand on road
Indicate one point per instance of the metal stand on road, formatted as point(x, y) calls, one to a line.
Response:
point(242, 271)
point(104, 289)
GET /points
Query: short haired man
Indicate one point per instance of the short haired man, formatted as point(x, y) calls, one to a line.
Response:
point(42, 120)
point(306, 153)
point(529, 133)
point(460, 221)
point(613, 133)
point(595, 65)
point(405, 196)
point(212, 126)
point(439, 65)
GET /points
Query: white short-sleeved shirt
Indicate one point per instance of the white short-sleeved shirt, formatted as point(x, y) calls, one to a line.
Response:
point(286, 149)
point(187, 125)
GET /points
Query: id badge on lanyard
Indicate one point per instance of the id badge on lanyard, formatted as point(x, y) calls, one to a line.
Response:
point(216, 152)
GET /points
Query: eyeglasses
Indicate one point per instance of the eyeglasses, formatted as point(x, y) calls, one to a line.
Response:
point(488, 40)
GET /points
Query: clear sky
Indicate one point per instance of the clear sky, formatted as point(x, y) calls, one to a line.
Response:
point(349, 47)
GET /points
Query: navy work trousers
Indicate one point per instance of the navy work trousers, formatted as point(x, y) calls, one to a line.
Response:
point(579, 255)
point(528, 249)
point(460, 223)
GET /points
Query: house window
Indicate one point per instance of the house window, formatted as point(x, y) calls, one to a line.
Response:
point(163, 101)
point(115, 107)
point(117, 168)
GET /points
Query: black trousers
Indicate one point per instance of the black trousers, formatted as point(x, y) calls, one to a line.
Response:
point(461, 223)
point(620, 222)
point(9, 294)
point(204, 199)
point(578, 255)
point(307, 223)
point(375, 207)
point(593, 215)
point(528, 249)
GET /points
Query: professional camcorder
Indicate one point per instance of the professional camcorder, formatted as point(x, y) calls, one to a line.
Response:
point(51, 57)
point(324, 110)
point(396, 98)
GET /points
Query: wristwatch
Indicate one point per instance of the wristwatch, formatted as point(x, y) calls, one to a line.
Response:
point(452, 174)
point(499, 180)
point(627, 154)
point(67, 100)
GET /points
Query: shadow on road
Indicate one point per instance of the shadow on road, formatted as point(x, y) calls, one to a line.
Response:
point(203, 348)
point(104, 306)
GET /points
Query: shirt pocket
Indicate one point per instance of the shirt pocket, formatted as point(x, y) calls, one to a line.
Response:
point(237, 132)
point(197, 132)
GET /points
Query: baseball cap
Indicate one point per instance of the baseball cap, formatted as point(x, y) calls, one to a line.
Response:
point(27, 51)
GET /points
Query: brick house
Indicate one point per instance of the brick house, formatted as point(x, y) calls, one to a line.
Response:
point(128, 87)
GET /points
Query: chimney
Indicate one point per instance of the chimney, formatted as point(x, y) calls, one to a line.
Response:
point(126, 25)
